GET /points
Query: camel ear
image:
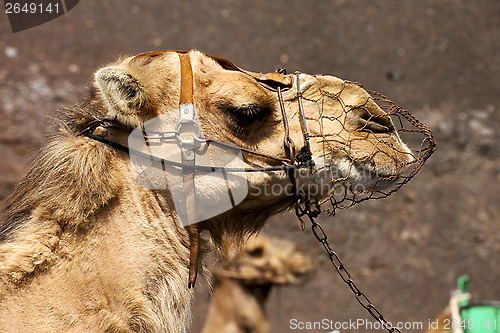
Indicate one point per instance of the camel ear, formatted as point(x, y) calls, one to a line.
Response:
point(126, 97)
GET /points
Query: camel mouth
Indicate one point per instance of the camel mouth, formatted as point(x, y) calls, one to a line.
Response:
point(367, 177)
point(290, 279)
point(377, 179)
point(348, 178)
point(265, 278)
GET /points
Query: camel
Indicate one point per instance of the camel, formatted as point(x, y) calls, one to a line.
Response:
point(243, 281)
point(85, 247)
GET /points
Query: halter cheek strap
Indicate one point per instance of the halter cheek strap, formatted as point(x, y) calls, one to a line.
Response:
point(187, 111)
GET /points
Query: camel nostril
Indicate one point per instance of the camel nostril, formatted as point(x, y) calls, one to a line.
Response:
point(257, 252)
point(375, 123)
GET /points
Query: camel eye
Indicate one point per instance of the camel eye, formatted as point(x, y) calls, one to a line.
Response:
point(245, 115)
point(257, 252)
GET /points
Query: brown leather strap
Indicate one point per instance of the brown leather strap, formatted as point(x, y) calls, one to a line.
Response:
point(186, 97)
point(192, 228)
point(186, 79)
point(285, 80)
point(194, 250)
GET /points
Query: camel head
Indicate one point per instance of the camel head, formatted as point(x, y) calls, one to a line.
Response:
point(266, 260)
point(355, 144)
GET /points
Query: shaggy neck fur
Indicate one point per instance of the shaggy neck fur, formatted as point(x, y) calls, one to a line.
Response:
point(99, 253)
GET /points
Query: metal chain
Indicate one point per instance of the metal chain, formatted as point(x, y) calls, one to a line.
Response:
point(321, 236)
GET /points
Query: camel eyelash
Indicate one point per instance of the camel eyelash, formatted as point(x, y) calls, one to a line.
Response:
point(245, 114)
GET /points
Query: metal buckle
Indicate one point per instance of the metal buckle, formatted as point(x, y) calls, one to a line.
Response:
point(188, 146)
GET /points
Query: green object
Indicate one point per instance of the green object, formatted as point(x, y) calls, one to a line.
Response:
point(481, 318)
point(477, 317)
point(463, 286)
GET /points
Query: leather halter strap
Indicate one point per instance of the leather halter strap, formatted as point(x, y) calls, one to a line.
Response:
point(278, 77)
point(186, 96)
point(187, 110)
point(186, 103)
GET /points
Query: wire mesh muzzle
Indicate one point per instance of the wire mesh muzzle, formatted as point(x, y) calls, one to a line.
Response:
point(369, 157)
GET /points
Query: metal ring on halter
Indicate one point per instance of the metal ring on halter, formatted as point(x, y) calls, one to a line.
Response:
point(197, 139)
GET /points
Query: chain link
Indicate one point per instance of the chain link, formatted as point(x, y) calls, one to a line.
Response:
point(321, 236)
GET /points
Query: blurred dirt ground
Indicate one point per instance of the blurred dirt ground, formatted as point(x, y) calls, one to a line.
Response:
point(439, 59)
